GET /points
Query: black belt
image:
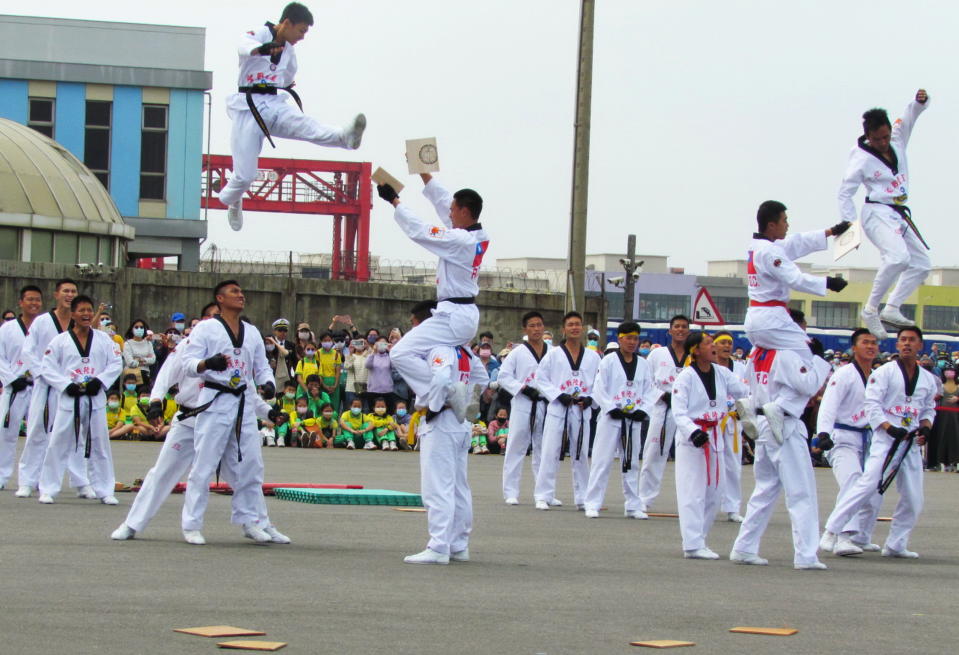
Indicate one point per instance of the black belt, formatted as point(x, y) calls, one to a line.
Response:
point(905, 214)
point(220, 390)
point(463, 300)
point(626, 441)
point(533, 405)
point(885, 482)
point(853, 428)
point(267, 90)
point(77, 424)
point(13, 396)
point(564, 446)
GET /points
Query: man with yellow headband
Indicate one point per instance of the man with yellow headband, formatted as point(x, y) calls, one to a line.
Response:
point(732, 492)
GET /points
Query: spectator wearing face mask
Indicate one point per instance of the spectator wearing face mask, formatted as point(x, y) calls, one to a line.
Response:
point(498, 431)
point(645, 346)
point(380, 380)
point(384, 427)
point(138, 352)
point(329, 428)
point(355, 366)
point(178, 322)
point(592, 340)
point(942, 446)
point(119, 423)
point(129, 398)
point(402, 419)
point(548, 338)
point(306, 367)
point(395, 335)
point(371, 336)
point(357, 428)
point(304, 338)
point(330, 362)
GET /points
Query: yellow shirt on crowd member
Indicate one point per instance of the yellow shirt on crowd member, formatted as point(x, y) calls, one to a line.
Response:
point(287, 405)
point(355, 422)
point(170, 408)
point(137, 412)
point(306, 368)
point(328, 362)
point(130, 400)
point(116, 417)
point(380, 421)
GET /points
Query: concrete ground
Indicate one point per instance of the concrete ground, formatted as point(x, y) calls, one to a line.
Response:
point(540, 582)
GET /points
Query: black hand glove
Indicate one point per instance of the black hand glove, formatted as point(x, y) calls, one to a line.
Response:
point(215, 363)
point(840, 227)
point(93, 386)
point(616, 413)
point(274, 416)
point(269, 390)
point(925, 431)
point(585, 402)
point(836, 284)
point(387, 192)
point(564, 399)
point(815, 345)
point(668, 399)
point(154, 411)
point(267, 48)
point(19, 384)
point(530, 393)
point(74, 390)
point(897, 432)
point(699, 438)
point(823, 441)
point(638, 415)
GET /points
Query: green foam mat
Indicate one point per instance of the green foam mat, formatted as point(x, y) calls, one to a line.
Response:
point(350, 496)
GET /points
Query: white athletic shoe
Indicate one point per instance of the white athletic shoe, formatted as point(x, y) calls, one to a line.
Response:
point(427, 557)
point(844, 547)
point(777, 420)
point(734, 517)
point(46, 499)
point(812, 566)
point(700, 553)
point(868, 548)
point(369, 445)
point(354, 133)
point(24, 491)
point(870, 319)
point(350, 445)
point(123, 533)
point(827, 542)
point(87, 492)
point(276, 536)
point(512, 501)
point(461, 556)
point(256, 533)
point(385, 445)
point(555, 502)
point(747, 418)
point(393, 446)
point(457, 397)
point(542, 504)
point(234, 214)
point(904, 554)
point(592, 514)
point(747, 558)
point(890, 314)
point(194, 537)
point(110, 500)
point(636, 514)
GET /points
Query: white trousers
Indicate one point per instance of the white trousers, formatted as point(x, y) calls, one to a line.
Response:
point(445, 488)
point(908, 483)
point(10, 434)
point(549, 463)
point(285, 120)
point(607, 446)
point(35, 448)
point(845, 458)
point(173, 462)
point(214, 439)
point(447, 327)
point(698, 492)
point(518, 442)
point(63, 447)
point(784, 468)
point(654, 456)
point(732, 478)
point(902, 255)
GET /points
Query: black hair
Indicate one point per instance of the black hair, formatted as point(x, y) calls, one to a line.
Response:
point(289, 384)
point(326, 334)
point(380, 399)
point(573, 314)
point(129, 334)
point(143, 389)
point(628, 326)
point(768, 212)
point(113, 392)
point(692, 340)
point(313, 378)
point(296, 13)
point(129, 376)
point(678, 317)
point(378, 332)
point(469, 200)
point(207, 308)
point(219, 287)
point(486, 334)
point(421, 311)
point(858, 333)
point(79, 300)
point(324, 406)
point(528, 316)
point(62, 281)
point(27, 289)
point(910, 328)
point(873, 119)
point(797, 315)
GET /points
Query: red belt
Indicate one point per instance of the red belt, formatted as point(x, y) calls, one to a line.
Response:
point(768, 303)
point(706, 426)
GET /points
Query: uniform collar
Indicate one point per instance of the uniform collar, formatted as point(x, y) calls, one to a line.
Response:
point(762, 237)
point(891, 165)
point(474, 227)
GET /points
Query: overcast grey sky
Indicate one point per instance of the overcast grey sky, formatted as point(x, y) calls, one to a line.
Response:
point(701, 110)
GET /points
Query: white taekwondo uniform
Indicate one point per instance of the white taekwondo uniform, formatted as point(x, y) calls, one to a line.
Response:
point(700, 403)
point(177, 451)
point(732, 485)
point(43, 408)
point(891, 398)
point(227, 426)
point(624, 387)
point(13, 404)
point(842, 415)
point(444, 451)
point(664, 370)
point(785, 467)
point(281, 118)
point(902, 254)
point(526, 415)
point(558, 374)
point(81, 423)
point(456, 317)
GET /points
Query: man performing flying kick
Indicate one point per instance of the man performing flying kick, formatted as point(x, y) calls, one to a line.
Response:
point(258, 109)
point(878, 162)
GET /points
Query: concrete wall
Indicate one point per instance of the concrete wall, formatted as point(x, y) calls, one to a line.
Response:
point(155, 295)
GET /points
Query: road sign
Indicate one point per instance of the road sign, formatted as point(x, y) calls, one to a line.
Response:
point(705, 311)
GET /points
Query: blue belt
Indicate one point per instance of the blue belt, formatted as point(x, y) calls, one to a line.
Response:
point(865, 433)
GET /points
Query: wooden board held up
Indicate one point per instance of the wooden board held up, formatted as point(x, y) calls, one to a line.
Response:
point(220, 631)
point(662, 643)
point(252, 645)
point(777, 632)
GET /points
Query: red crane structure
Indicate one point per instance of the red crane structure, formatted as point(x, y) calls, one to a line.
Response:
point(340, 189)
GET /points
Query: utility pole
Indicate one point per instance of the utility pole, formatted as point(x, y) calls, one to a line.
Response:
point(632, 268)
point(576, 274)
